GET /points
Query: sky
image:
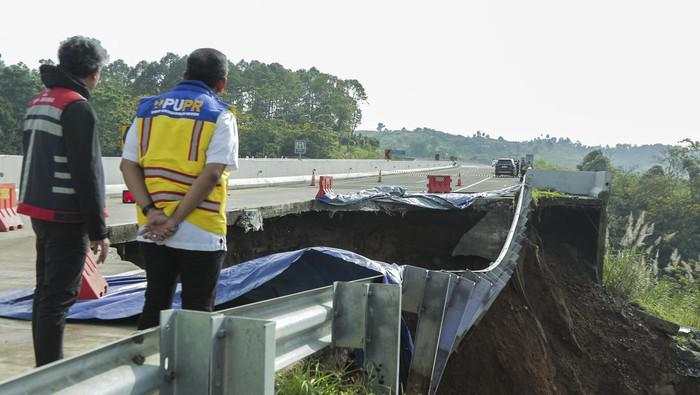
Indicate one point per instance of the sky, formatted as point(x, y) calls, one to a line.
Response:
point(601, 72)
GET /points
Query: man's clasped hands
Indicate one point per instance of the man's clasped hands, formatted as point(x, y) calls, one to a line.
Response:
point(159, 226)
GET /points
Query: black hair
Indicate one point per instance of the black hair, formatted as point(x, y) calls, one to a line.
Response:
point(82, 56)
point(207, 65)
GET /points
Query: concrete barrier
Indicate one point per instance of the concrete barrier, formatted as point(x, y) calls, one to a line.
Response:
point(10, 168)
point(257, 172)
point(586, 183)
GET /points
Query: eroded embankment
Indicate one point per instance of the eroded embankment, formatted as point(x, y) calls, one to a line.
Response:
point(553, 329)
point(421, 238)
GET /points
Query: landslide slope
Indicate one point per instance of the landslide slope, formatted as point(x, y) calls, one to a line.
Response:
point(553, 329)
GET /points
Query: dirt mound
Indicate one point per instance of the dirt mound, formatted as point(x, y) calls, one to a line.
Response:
point(554, 330)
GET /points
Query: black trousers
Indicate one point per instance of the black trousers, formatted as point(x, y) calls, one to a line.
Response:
point(198, 272)
point(60, 256)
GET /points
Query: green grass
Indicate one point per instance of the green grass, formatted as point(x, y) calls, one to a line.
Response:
point(626, 274)
point(542, 194)
point(672, 302)
point(314, 377)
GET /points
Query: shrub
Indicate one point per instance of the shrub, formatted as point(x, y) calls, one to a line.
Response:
point(627, 274)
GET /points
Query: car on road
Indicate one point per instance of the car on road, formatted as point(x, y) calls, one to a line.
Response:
point(505, 167)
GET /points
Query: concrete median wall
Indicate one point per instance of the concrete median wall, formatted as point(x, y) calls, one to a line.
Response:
point(10, 168)
point(263, 169)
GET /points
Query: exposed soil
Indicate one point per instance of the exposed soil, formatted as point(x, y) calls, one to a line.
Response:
point(421, 238)
point(554, 330)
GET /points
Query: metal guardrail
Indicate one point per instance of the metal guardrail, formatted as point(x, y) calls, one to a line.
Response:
point(126, 366)
point(233, 351)
point(450, 304)
point(237, 351)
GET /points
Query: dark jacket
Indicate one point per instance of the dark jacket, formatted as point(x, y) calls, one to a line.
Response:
point(62, 175)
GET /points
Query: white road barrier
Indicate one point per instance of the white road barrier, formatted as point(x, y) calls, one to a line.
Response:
point(261, 172)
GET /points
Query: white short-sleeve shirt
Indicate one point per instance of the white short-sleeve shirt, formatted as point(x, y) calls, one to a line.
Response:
point(223, 149)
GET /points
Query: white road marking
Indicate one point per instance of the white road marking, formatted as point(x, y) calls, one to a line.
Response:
point(471, 185)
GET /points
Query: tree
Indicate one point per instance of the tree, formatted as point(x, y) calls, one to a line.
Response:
point(380, 127)
point(594, 161)
point(273, 105)
point(655, 171)
point(18, 84)
point(115, 109)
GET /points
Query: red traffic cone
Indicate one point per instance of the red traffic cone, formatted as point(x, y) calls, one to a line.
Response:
point(459, 179)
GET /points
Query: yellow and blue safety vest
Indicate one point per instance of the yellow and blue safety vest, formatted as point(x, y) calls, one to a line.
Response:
point(174, 131)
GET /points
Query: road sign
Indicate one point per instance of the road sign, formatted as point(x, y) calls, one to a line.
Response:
point(300, 147)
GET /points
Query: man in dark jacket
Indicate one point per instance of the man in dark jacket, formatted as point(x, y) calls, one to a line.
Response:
point(62, 187)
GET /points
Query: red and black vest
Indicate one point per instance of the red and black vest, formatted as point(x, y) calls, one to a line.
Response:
point(46, 189)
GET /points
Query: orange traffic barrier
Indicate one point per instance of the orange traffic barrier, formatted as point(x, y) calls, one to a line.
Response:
point(325, 185)
point(93, 285)
point(439, 184)
point(9, 219)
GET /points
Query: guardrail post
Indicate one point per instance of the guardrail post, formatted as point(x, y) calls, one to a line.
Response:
point(431, 314)
point(455, 311)
point(477, 301)
point(186, 339)
point(205, 353)
point(368, 317)
point(244, 356)
point(445, 303)
point(412, 288)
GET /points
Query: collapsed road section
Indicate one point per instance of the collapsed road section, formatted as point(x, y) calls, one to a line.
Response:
point(455, 263)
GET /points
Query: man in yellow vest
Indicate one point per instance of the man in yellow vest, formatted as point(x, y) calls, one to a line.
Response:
point(175, 161)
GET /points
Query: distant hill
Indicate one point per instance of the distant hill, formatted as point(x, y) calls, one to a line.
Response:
point(482, 148)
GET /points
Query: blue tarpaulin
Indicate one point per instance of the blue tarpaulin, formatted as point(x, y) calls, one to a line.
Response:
point(396, 195)
point(310, 268)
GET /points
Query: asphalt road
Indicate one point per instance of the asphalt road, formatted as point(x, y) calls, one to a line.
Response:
point(474, 179)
